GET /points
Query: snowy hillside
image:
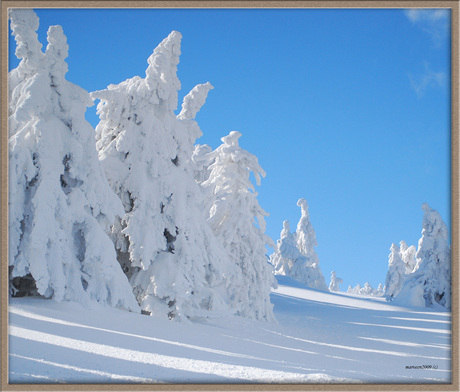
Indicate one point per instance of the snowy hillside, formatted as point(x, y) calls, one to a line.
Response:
point(320, 337)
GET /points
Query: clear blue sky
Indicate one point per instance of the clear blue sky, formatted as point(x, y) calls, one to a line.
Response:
point(347, 108)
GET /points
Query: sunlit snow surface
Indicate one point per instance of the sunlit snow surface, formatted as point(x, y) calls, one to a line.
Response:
point(319, 338)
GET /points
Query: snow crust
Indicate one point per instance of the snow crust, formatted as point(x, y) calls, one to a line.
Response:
point(321, 338)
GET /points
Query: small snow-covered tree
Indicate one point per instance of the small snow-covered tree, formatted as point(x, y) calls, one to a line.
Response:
point(430, 283)
point(295, 255)
point(396, 273)
point(61, 206)
point(168, 251)
point(335, 281)
point(286, 252)
point(306, 243)
point(238, 221)
point(367, 289)
point(380, 291)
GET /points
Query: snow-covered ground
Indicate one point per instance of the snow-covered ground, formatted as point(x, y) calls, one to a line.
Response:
point(319, 338)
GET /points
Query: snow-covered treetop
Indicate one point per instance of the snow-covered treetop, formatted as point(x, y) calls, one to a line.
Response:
point(227, 174)
point(286, 230)
point(287, 244)
point(161, 74)
point(57, 51)
point(190, 131)
point(24, 24)
point(434, 229)
point(433, 248)
point(394, 250)
point(403, 245)
point(306, 236)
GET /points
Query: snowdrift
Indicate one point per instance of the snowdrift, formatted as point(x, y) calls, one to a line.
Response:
point(320, 337)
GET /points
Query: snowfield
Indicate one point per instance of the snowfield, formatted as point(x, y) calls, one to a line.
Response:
point(320, 337)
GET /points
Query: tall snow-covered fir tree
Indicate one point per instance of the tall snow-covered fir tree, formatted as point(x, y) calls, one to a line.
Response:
point(295, 255)
point(430, 283)
point(60, 203)
point(396, 273)
point(238, 222)
point(175, 265)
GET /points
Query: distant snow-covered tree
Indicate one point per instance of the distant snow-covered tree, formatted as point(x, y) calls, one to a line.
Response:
point(380, 291)
point(367, 289)
point(60, 204)
point(238, 221)
point(335, 281)
point(295, 255)
point(309, 272)
point(357, 289)
point(396, 273)
point(167, 249)
point(286, 252)
point(408, 254)
point(430, 283)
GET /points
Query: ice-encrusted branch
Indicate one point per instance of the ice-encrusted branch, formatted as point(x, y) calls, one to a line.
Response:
point(194, 100)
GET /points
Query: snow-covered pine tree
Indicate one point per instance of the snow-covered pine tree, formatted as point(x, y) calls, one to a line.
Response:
point(310, 273)
point(430, 284)
point(164, 243)
point(367, 289)
point(307, 270)
point(380, 291)
point(60, 203)
point(295, 255)
point(396, 273)
point(335, 281)
point(238, 221)
point(286, 252)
